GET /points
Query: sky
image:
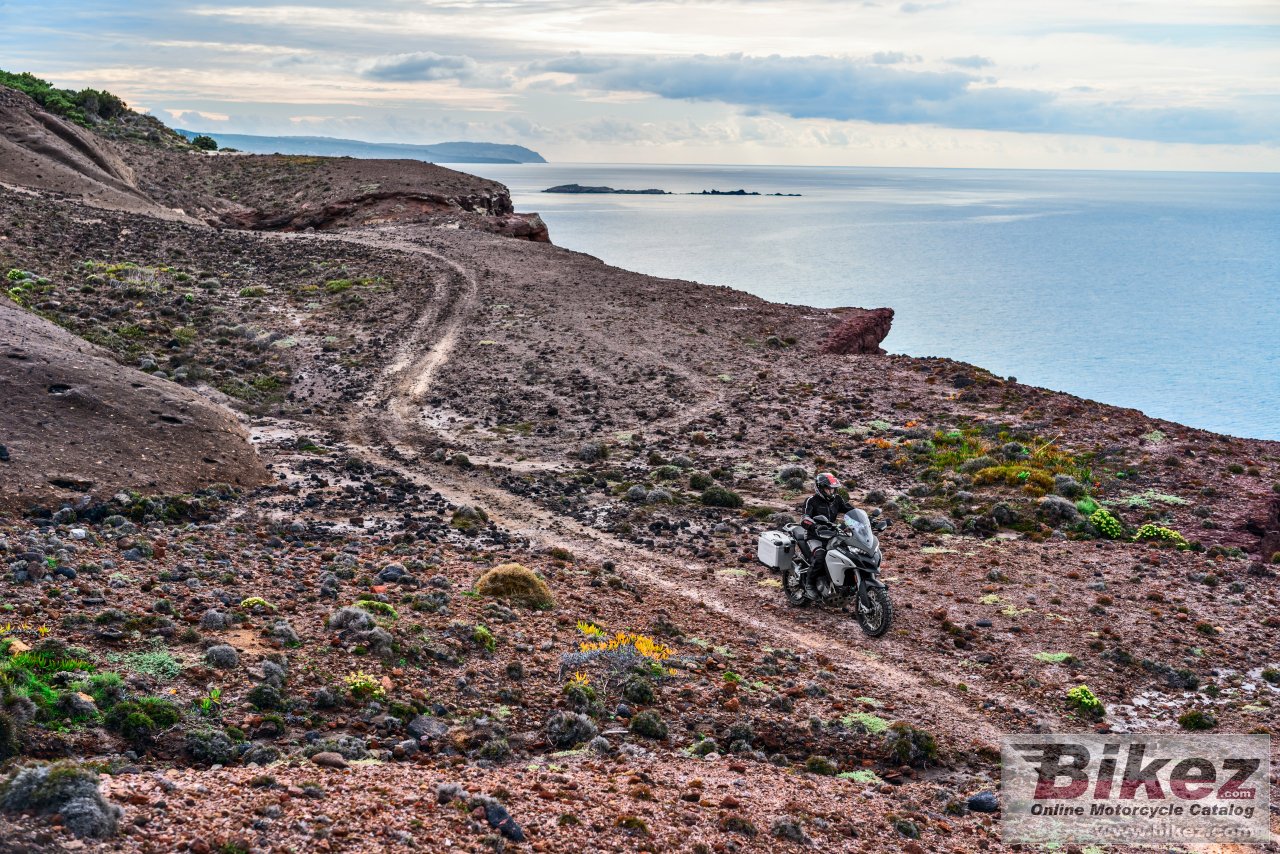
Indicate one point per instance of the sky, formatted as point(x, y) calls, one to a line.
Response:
point(1072, 84)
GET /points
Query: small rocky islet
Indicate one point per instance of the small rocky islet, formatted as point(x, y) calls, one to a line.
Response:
point(341, 510)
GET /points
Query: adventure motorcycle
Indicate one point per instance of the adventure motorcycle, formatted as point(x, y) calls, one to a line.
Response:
point(850, 565)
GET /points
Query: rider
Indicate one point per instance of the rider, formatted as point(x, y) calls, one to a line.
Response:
point(826, 501)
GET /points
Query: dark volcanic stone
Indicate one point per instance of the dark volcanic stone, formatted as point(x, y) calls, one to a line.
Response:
point(984, 802)
point(498, 817)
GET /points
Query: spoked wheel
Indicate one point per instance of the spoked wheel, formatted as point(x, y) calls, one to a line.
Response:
point(876, 613)
point(793, 586)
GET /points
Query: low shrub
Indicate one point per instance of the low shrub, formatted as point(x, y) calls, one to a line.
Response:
point(638, 690)
point(515, 583)
point(719, 496)
point(649, 724)
point(1085, 702)
point(1160, 534)
point(1197, 720)
point(909, 745)
point(1106, 524)
point(363, 686)
point(66, 789)
point(569, 729)
point(820, 765)
point(1033, 481)
point(382, 609)
point(137, 721)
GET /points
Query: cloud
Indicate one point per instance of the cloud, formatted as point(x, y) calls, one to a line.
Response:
point(917, 8)
point(971, 61)
point(827, 87)
point(420, 65)
point(180, 115)
point(892, 57)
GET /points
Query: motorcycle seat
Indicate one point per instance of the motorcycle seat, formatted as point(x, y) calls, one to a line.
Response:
point(800, 535)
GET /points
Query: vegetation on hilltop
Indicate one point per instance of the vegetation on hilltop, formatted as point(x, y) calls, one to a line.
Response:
point(86, 107)
point(101, 111)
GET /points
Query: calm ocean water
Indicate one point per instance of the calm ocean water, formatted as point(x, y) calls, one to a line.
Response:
point(1159, 291)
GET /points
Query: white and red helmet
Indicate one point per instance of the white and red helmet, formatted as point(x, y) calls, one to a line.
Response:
point(826, 484)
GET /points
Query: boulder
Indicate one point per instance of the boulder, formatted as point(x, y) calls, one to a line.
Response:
point(860, 330)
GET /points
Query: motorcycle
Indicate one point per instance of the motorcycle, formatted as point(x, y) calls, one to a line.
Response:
point(850, 567)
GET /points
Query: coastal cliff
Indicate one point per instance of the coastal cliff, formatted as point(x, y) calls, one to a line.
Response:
point(168, 177)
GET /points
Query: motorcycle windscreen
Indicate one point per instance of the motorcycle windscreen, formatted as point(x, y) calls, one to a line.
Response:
point(859, 525)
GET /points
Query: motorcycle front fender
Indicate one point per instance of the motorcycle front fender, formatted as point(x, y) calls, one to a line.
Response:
point(870, 579)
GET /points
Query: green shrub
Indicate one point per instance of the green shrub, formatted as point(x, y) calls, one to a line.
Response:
point(157, 662)
point(1196, 720)
point(382, 609)
point(1108, 525)
point(820, 765)
point(1085, 701)
point(866, 722)
point(719, 496)
point(1033, 481)
point(76, 106)
point(909, 745)
point(649, 724)
point(137, 721)
point(1160, 534)
point(700, 480)
point(205, 143)
point(638, 690)
point(161, 711)
point(264, 697)
point(484, 637)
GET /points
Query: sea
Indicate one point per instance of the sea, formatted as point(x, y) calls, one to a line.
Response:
point(1153, 290)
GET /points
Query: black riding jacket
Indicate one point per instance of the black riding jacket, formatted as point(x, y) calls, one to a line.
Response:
point(833, 508)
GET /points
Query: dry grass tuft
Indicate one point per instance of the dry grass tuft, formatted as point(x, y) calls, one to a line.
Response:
point(515, 583)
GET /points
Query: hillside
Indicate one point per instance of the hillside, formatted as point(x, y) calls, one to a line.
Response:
point(326, 146)
point(344, 658)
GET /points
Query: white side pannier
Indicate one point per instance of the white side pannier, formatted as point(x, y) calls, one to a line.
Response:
point(776, 550)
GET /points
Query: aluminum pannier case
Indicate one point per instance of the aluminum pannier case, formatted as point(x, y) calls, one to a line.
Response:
point(776, 549)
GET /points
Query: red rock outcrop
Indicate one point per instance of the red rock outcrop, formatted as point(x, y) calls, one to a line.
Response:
point(860, 330)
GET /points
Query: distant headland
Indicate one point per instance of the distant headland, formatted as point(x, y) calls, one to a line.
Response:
point(580, 189)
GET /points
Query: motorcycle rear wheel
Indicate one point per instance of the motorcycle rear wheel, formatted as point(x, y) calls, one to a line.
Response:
point(793, 587)
point(878, 616)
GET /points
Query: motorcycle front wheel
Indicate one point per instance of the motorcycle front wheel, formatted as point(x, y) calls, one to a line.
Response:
point(793, 587)
point(877, 614)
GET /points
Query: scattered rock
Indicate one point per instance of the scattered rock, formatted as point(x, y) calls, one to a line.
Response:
point(329, 760)
point(984, 802)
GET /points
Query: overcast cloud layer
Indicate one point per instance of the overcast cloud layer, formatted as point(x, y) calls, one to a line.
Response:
point(1141, 84)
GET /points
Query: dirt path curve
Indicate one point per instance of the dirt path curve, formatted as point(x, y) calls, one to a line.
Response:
point(390, 429)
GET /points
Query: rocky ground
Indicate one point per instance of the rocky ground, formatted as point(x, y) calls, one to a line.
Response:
point(317, 663)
